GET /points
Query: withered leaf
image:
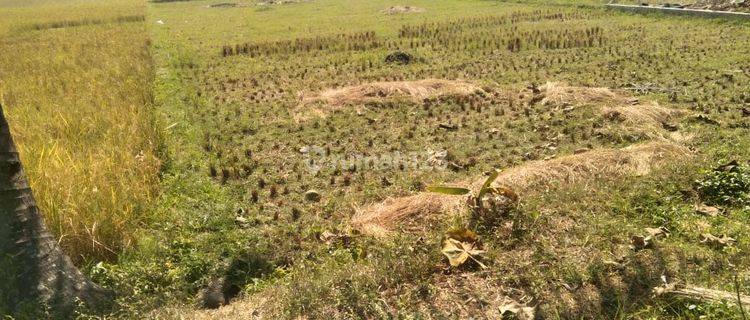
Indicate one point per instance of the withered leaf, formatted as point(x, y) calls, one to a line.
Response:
point(707, 210)
point(511, 309)
point(640, 242)
point(504, 191)
point(461, 245)
point(718, 242)
point(462, 234)
point(655, 233)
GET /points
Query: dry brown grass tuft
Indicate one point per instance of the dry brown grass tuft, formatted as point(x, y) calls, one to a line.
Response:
point(635, 118)
point(645, 119)
point(321, 103)
point(559, 94)
point(588, 167)
point(410, 213)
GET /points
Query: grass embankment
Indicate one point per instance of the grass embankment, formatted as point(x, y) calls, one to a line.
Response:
point(76, 83)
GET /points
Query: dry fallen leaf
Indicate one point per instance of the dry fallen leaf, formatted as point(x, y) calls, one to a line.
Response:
point(331, 238)
point(461, 245)
point(718, 242)
point(655, 233)
point(644, 242)
point(462, 234)
point(640, 242)
point(707, 210)
point(504, 191)
point(511, 308)
point(327, 236)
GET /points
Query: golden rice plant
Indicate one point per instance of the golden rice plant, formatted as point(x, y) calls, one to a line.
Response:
point(79, 101)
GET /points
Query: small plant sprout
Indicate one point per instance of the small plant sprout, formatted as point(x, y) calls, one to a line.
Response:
point(485, 207)
point(488, 200)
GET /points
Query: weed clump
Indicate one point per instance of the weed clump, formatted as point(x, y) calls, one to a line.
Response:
point(728, 184)
point(399, 57)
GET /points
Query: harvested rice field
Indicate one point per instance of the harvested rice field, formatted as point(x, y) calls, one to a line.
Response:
point(442, 159)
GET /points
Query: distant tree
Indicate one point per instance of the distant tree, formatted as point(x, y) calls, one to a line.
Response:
point(36, 277)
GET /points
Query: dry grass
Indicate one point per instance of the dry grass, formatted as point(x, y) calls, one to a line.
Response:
point(321, 103)
point(410, 213)
point(79, 103)
point(588, 167)
point(481, 297)
point(644, 119)
point(252, 307)
point(560, 94)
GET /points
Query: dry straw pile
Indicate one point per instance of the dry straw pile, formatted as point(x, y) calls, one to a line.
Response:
point(414, 213)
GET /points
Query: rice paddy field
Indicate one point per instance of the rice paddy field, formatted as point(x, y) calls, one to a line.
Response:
point(276, 159)
point(76, 83)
